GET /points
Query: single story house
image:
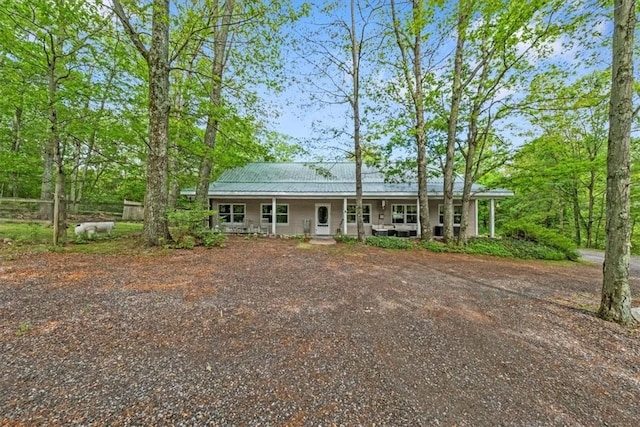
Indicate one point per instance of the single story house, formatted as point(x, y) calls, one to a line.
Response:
point(319, 199)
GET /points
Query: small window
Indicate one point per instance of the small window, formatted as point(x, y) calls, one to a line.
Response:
point(404, 214)
point(231, 213)
point(457, 214)
point(366, 214)
point(282, 213)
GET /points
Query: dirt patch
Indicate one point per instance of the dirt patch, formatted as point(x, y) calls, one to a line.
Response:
point(265, 332)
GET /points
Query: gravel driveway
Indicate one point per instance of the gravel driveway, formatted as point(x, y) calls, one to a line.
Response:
point(597, 257)
point(270, 332)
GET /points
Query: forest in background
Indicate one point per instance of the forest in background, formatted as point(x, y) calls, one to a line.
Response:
point(520, 91)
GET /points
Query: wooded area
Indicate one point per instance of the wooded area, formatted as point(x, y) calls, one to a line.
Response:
point(136, 99)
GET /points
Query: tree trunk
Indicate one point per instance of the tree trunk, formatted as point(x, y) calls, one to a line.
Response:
point(591, 208)
point(59, 205)
point(616, 295)
point(576, 214)
point(221, 35)
point(156, 230)
point(47, 210)
point(472, 141)
point(421, 142)
point(16, 134)
point(414, 80)
point(452, 125)
point(355, 104)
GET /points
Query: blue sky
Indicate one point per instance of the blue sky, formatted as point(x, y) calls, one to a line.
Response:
point(297, 120)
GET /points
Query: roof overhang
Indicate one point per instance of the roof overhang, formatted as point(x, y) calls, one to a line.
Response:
point(341, 195)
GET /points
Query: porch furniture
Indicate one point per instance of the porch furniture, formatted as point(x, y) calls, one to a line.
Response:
point(383, 230)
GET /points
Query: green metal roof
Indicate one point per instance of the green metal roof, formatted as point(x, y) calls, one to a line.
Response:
point(322, 180)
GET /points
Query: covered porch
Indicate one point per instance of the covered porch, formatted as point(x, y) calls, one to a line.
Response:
point(282, 215)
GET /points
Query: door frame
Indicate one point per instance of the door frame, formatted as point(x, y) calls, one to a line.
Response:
point(323, 230)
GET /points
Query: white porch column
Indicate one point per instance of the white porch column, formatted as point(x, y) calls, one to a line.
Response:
point(418, 234)
point(344, 216)
point(492, 217)
point(476, 208)
point(273, 216)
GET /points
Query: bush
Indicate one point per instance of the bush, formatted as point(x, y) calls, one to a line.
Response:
point(190, 228)
point(488, 246)
point(525, 231)
point(433, 246)
point(389, 242)
point(343, 238)
point(506, 247)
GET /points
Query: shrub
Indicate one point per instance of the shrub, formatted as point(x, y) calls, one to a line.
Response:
point(432, 246)
point(488, 246)
point(190, 228)
point(525, 249)
point(506, 247)
point(389, 242)
point(343, 238)
point(525, 231)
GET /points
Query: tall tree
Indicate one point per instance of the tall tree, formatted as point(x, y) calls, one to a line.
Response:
point(356, 40)
point(156, 55)
point(409, 40)
point(221, 18)
point(571, 148)
point(458, 85)
point(616, 294)
point(505, 47)
point(241, 45)
point(338, 54)
point(57, 37)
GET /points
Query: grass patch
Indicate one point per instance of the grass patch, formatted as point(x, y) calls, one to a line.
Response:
point(26, 232)
point(21, 237)
point(23, 329)
point(389, 242)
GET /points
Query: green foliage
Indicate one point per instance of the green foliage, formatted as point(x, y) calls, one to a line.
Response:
point(559, 177)
point(433, 246)
point(25, 232)
point(505, 247)
point(389, 242)
point(24, 328)
point(526, 231)
point(488, 246)
point(343, 238)
point(189, 228)
point(514, 248)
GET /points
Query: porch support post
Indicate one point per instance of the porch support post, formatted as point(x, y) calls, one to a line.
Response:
point(273, 216)
point(477, 208)
point(492, 217)
point(344, 216)
point(418, 234)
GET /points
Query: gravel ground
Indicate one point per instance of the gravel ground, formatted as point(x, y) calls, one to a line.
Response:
point(597, 256)
point(271, 332)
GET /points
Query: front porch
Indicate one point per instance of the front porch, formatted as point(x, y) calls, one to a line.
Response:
point(315, 217)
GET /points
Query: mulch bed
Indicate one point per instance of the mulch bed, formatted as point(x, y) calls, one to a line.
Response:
point(273, 332)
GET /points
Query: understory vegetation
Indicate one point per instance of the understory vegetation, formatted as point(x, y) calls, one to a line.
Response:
point(526, 242)
point(189, 230)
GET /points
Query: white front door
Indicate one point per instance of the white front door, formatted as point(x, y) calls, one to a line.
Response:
point(323, 219)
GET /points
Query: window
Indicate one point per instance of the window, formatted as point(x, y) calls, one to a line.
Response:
point(404, 214)
point(231, 213)
point(366, 214)
point(457, 214)
point(282, 213)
